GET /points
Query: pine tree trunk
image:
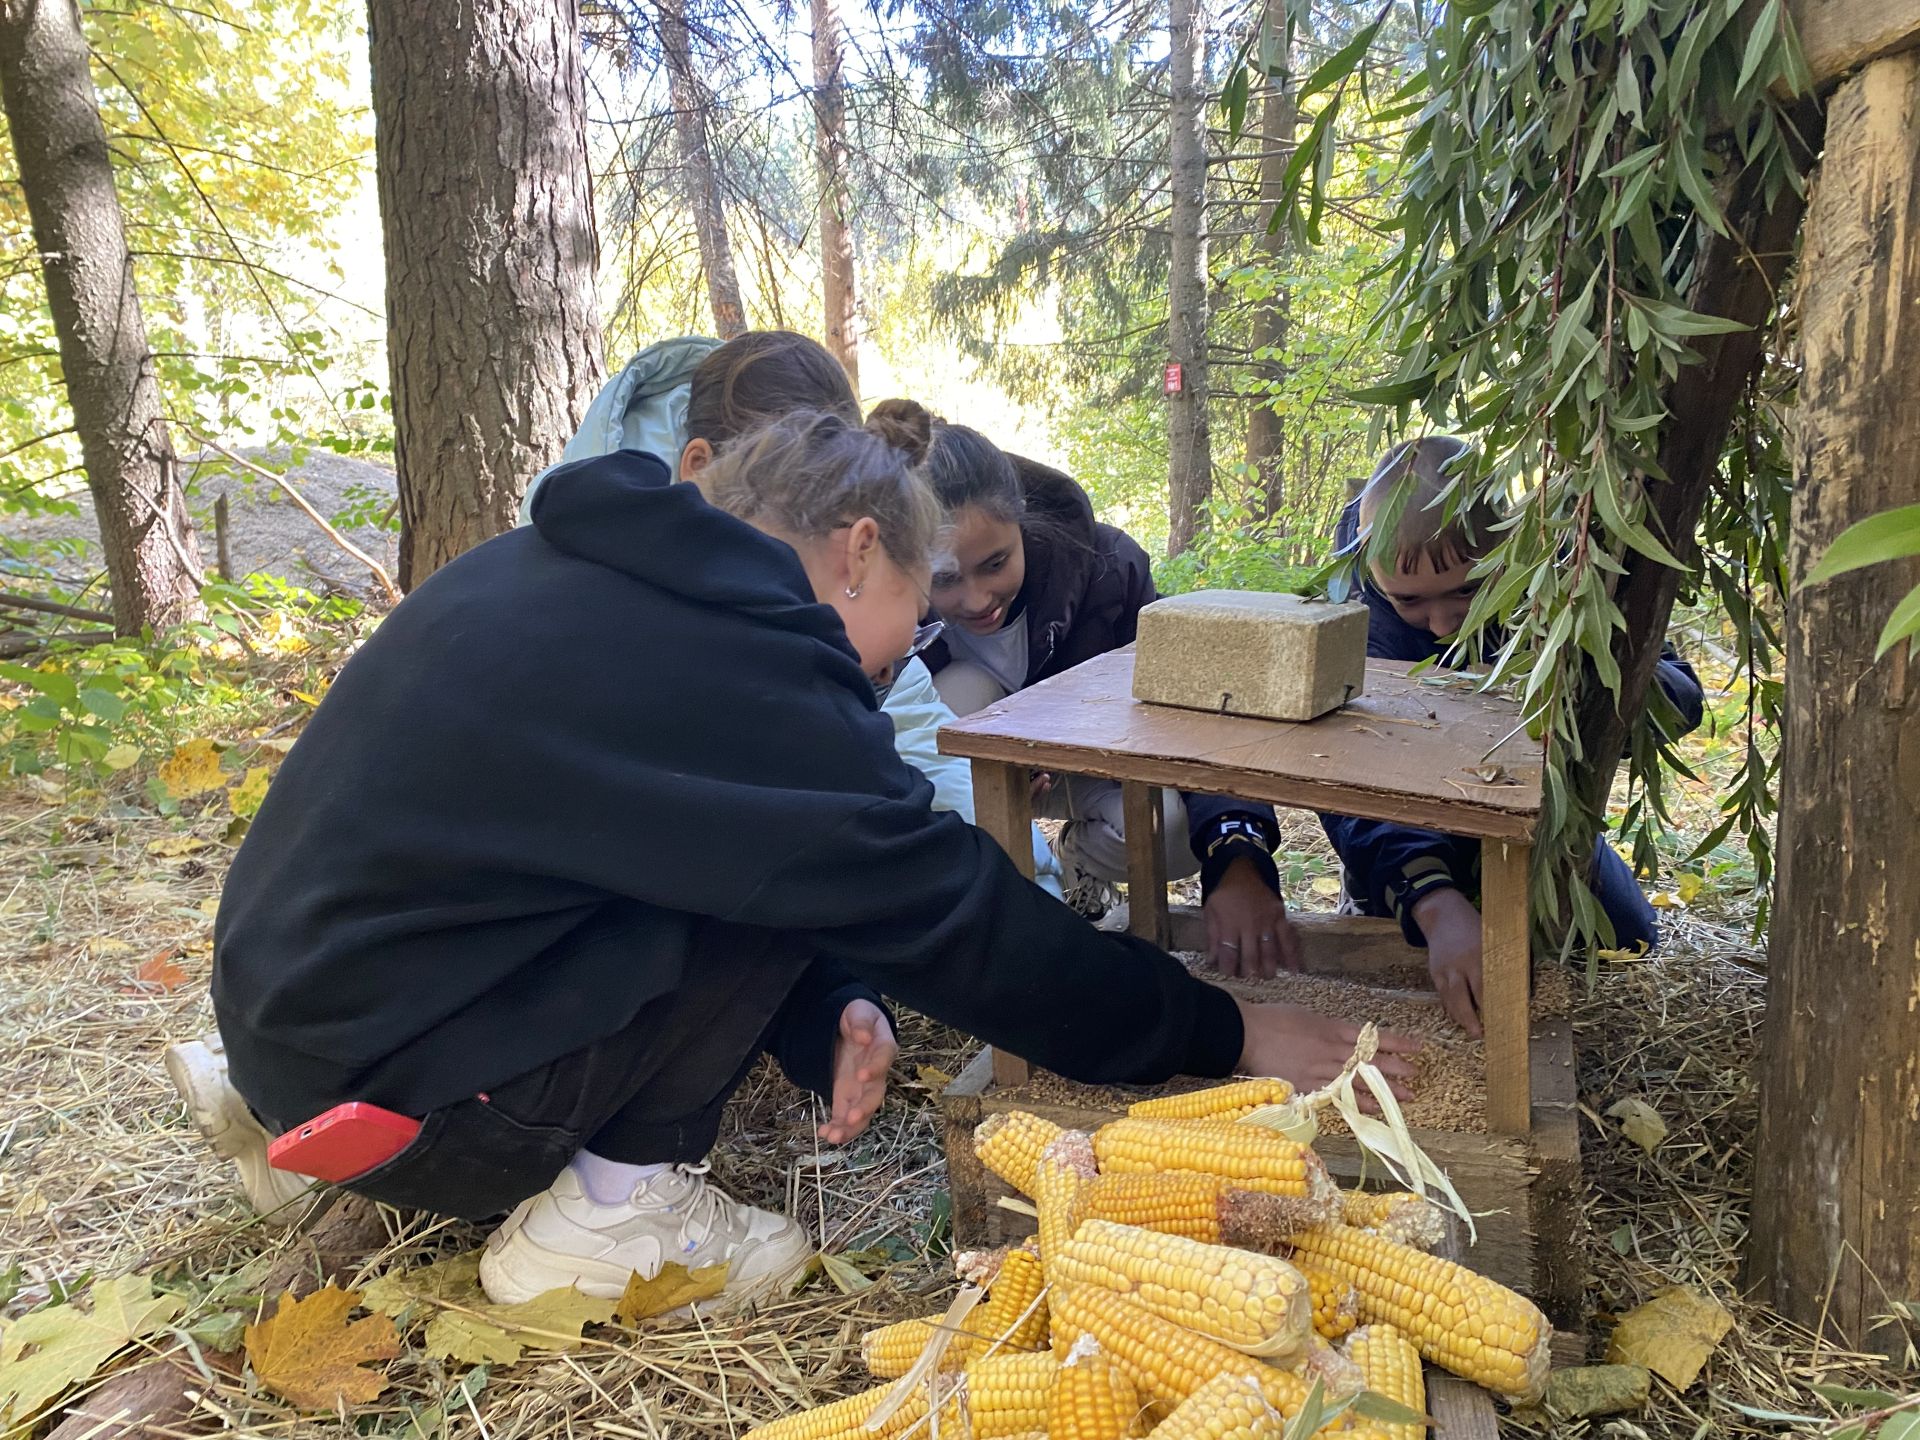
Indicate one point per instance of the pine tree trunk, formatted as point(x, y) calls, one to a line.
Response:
point(66, 176)
point(698, 173)
point(837, 278)
point(1266, 435)
point(493, 333)
point(1189, 440)
point(1836, 1215)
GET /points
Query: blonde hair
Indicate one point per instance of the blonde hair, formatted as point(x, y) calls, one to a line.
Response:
point(1422, 471)
point(811, 472)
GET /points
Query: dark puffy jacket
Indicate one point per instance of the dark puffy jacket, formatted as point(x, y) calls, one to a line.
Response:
point(1085, 588)
point(1389, 867)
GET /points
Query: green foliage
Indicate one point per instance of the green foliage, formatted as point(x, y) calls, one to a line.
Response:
point(98, 710)
point(1890, 535)
point(1235, 550)
point(1566, 168)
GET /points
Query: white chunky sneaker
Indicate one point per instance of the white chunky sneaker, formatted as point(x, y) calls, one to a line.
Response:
point(199, 1072)
point(561, 1238)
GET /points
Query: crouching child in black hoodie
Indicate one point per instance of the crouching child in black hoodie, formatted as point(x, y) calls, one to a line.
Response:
point(1426, 880)
point(605, 810)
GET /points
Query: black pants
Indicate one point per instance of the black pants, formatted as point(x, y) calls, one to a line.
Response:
point(650, 1093)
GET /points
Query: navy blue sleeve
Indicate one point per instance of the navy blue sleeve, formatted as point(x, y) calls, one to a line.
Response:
point(1683, 691)
point(1214, 821)
point(1392, 866)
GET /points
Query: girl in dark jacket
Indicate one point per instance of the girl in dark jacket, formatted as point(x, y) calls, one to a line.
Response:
point(1034, 585)
point(485, 891)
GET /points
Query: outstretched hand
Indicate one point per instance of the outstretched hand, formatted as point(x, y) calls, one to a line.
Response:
point(1248, 932)
point(863, 1052)
point(1307, 1049)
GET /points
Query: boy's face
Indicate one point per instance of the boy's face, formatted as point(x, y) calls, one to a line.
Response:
point(1427, 598)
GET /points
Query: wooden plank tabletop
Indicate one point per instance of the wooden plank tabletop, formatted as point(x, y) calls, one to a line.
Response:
point(1441, 756)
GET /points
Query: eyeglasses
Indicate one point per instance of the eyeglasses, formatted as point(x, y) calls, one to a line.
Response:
point(923, 637)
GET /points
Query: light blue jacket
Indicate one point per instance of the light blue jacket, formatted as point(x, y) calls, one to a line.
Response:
point(644, 407)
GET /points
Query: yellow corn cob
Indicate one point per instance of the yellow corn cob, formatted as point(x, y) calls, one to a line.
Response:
point(1390, 1366)
point(1059, 1176)
point(1008, 1144)
point(1221, 1102)
point(846, 1419)
point(1008, 1394)
point(1167, 1362)
point(1228, 1407)
point(1464, 1322)
point(1254, 1303)
point(1092, 1397)
point(1397, 1214)
point(1013, 1315)
point(1252, 1157)
point(1336, 1304)
point(1200, 1207)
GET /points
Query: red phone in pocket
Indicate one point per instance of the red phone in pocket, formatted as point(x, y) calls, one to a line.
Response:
point(346, 1142)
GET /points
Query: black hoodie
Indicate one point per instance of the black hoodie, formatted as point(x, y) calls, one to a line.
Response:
point(576, 745)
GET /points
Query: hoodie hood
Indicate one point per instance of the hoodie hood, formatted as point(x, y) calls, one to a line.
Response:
point(644, 407)
point(624, 512)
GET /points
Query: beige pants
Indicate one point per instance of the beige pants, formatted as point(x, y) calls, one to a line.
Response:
point(1094, 839)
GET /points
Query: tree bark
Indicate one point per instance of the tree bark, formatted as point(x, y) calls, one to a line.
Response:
point(493, 333)
point(1836, 1221)
point(1266, 435)
point(837, 278)
point(698, 172)
point(1189, 438)
point(66, 176)
point(1740, 277)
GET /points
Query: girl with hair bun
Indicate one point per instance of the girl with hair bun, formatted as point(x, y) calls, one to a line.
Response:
point(605, 810)
point(1034, 586)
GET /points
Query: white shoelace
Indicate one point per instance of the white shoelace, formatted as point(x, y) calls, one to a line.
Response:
point(703, 1206)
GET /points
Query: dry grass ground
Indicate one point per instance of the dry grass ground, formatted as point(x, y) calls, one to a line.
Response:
point(100, 1172)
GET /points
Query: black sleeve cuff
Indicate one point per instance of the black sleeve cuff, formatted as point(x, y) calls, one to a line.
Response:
point(1421, 878)
point(808, 1031)
point(1219, 1037)
point(1229, 847)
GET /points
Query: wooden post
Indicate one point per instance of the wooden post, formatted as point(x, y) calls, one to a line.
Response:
point(1505, 974)
point(1003, 807)
point(1836, 1210)
point(1144, 814)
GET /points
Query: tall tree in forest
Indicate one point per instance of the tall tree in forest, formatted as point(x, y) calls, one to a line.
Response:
point(1266, 436)
point(485, 205)
point(1189, 437)
point(837, 278)
point(67, 176)
point(699, 175)
point(1836, 1228)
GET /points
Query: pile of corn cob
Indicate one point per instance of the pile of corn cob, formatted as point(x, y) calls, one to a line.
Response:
point(1190, 1277)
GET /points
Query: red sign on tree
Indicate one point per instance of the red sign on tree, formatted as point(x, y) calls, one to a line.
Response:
point(1173, 380)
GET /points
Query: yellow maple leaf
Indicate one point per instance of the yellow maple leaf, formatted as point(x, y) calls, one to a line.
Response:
point(121, 757)
point(41, 1354)
point(672, 1288)
point(1671, 1335)
point(1688, 884)
point(170, 847)
point(193, 769)
point(468, 1327)
point(310, 1355)
point(244, 799)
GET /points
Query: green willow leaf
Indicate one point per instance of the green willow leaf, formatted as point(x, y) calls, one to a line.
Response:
point(1902, 624)
point(1890, 535)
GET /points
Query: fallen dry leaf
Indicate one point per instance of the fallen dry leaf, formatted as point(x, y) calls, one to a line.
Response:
point(171, 846)
point(41, 1354)
point(309, 1355)
point(1671, 1335)
point(1639, 1122)
point(933, 1077)
point(161, 971)
point(1586, 1391)
point(193, 769)
point(673, 1287)
point(244, 799)
point(107, 945)
point(467, 1327)
point(121, 757)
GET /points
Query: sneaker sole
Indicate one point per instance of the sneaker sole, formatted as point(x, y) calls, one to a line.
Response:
point(517, 1270)
point(221, 1117)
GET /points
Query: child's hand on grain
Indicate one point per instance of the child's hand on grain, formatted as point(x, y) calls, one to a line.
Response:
point(862, 1053)
point(1452, 927)
point(1248, 932)
point(1307, 1049)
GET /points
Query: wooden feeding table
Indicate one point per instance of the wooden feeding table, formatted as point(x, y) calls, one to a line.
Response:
point(1435, 755)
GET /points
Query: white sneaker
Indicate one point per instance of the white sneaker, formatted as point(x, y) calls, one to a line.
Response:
point(198, 1069)
point(563, 1238)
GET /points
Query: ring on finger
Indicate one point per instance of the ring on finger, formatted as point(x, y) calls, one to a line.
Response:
point(1229, 945)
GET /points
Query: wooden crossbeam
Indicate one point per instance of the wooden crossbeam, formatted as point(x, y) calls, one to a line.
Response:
point(1842, 35)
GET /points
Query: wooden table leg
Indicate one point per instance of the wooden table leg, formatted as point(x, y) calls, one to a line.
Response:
point(1003, 807)
point(1505, 977)
point(1144, 814)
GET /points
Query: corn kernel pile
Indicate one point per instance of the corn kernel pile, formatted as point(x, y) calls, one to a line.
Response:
point(1190, 1278)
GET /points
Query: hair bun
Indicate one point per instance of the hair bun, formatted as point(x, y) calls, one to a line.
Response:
point(905, 425)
